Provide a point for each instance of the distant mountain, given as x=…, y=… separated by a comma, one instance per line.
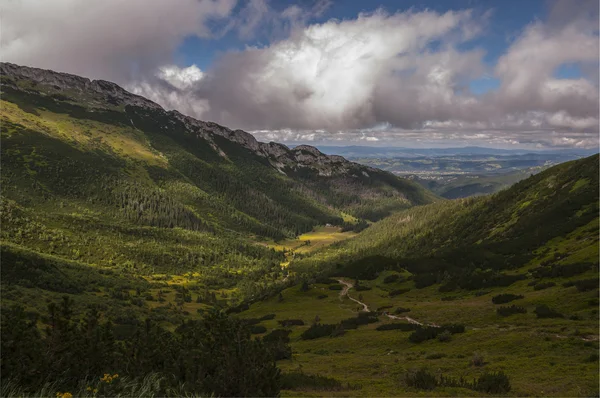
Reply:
x=387, y=152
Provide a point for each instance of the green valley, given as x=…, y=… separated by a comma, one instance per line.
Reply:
x=181, y=258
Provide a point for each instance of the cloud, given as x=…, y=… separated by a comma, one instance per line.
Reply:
x=374, y=79
x=406, y=71
x=109, y=39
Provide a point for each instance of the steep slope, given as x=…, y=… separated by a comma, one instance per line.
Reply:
x=208, y=176
x=551, y=217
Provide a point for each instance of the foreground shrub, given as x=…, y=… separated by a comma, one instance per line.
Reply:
x=505, y=298
x=513, y=309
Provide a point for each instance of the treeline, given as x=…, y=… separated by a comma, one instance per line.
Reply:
x=215, y=356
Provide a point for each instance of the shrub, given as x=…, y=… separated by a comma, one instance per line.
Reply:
x=445, y=336
x=384, y=307
x=513, y=309
x=481, y=293
x=478, y=359
x=291, y=322
x=543, y=311
x=267, y=317
x=542, y=286
x=423, y=334
x=398, y=292
x=405, y=327
x=363, y=318
x=592, y=358
x=422, y=379
x=401, y=310
x=258, y=329
x=301, y=381
x=505, y=298
x=391, y=278
x=361, y=288
x=326, y=281
x=561, y=271
x=336, y=287
x=435, y=356
x=586, y=284
x=493, y=383
x=322, y=296
x=318, y=330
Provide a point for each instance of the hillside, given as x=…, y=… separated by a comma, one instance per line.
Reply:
x=97, y=175
x=501, y=288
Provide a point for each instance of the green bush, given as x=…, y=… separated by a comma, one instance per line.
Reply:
x=505, y=298
x=291, y=322
x=542, y=286
x=336, y=287
x=318, y=330
x=543, y=311
x=493, y=383
x=391, y=278
x=513, y=309
x=302, y=381
x=405, y=327
x=422, y=379
x=398, y=292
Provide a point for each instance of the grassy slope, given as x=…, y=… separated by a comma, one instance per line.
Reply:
x=132, y=191
x=548, y=356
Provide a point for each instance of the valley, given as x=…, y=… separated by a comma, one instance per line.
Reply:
x=145, y=243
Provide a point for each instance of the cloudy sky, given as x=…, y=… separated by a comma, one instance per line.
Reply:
x=508, y=73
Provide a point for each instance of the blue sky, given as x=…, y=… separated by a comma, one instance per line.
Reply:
x=507, y=20
x=491, y=73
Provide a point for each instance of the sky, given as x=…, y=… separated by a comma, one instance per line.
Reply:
x=502, y=74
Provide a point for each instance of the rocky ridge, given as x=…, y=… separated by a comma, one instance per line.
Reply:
x=103, y=92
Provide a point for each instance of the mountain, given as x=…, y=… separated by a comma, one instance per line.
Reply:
x=553, y=213
x=400, y=152
x=92, y=139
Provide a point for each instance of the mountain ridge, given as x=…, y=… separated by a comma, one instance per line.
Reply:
x=278, y=154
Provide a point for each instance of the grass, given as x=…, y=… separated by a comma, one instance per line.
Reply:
x=541, y=356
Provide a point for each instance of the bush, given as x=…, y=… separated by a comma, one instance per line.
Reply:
x=361, y=288
x=301, y=381
x=435, y=356
x=505, y=298
x=398, y=292
x=336, y=287
x=513, y=309
x=363, y=318
x=586, y=284
x=542, y=286
x=445, y=336
x=391, y=278
x=561, y=271
x=422, y=379
x=493, y=383
x=291, y=322
x=401, y=310
x=404, y=327
x=478, y=359
x=592, y=358
x=318, y=330
x=423, y=334
x=481, y=293
x=258, y=329
x=326, y=281
x=267, y=317
x=322, y=296
x=543, y=311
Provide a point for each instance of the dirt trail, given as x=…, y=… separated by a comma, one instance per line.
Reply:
x=349, y=285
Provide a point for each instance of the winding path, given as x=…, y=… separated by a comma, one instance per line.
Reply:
x=349, y=285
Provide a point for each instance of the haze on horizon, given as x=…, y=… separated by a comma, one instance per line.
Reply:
x=438, y=74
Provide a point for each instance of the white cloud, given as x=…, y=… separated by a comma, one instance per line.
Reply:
x=109, y=39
